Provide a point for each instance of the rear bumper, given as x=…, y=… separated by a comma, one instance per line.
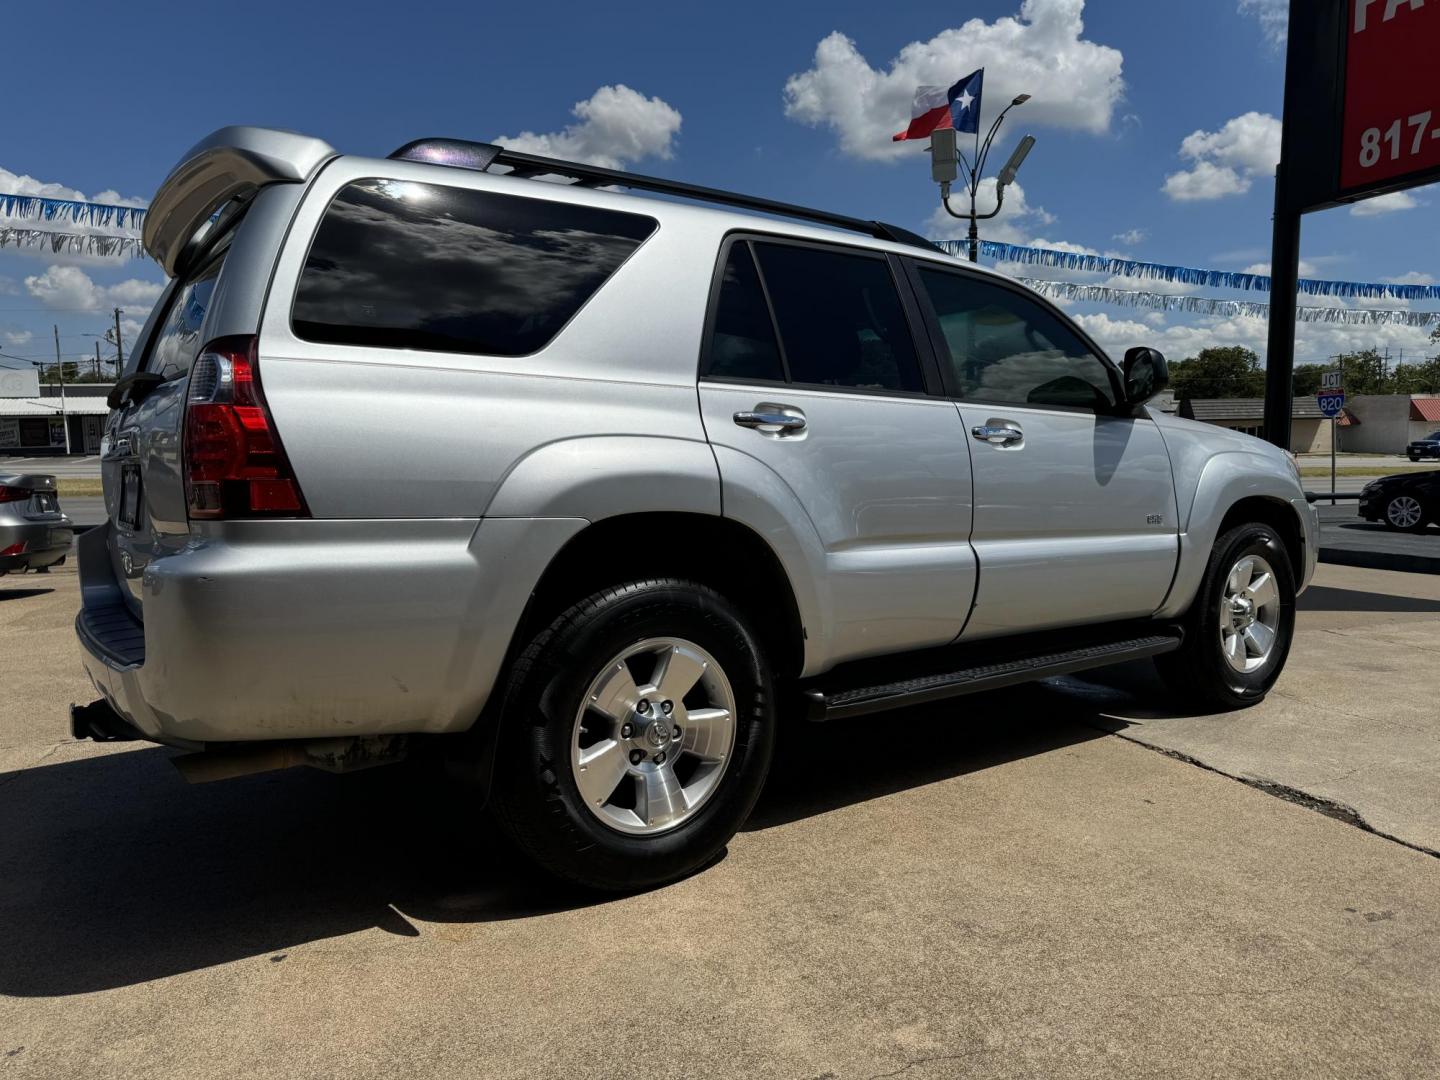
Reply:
x=312, y=629
x=46, y=543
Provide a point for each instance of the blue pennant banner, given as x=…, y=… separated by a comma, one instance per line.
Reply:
x=1187, y=275
x=1206, y=305
x=61, y=243
x=81, y=213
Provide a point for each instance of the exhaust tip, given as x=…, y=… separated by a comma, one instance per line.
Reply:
x=100, y=722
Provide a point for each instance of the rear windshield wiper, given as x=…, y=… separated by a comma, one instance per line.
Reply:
x=134, y=387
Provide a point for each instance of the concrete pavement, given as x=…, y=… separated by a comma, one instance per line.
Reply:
x=994, y=888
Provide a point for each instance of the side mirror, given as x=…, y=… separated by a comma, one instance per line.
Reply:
x=1146, y=374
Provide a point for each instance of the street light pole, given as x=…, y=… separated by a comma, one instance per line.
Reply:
x=976, y=170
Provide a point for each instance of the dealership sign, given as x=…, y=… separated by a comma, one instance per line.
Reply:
x=1392, y=95
x=1362, y=118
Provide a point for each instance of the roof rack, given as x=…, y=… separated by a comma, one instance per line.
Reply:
x=462, y=154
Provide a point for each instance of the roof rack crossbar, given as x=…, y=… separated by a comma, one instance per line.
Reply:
x=483, y=156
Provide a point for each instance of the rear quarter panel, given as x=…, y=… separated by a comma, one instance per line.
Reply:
x=388, y=433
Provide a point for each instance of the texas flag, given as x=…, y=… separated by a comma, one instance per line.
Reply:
x=958, y=107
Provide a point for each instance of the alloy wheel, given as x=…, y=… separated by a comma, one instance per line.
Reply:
x=653, y=735
x=1403, y=511
x=1249, y=614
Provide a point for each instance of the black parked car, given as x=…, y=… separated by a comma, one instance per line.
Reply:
x=1429, y=446
x=1404, y=501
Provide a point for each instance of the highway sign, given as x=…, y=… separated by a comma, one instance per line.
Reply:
x=1330, y=381
x=1331, y=401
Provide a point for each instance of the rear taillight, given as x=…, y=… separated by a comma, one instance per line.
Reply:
x=235, y=466
x=13, y=494
x=15, y=549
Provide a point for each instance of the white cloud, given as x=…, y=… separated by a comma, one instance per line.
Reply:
x=70, y=288
x=1228, y=160
x=1307, y=268
x=1273, y=16
x=1131, y=236
x=1013, y=225
x=22, y=184
x=1411, y=277
x=1074, y=83
x=17, y=338
x=1385, y=204
x=616, y=125
x=1182, y=339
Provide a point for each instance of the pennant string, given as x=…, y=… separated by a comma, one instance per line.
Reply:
x=38, y=207
x=1187, y=275
x=62, y=243
x=1206, y=305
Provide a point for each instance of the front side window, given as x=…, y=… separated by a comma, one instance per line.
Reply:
x=840, y=318
x=407, y=265
x=1006, y=349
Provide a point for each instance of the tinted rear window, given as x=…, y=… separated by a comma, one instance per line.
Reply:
x=424, y=266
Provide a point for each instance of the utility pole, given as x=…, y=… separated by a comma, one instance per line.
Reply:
x=97, y=361
x=1334, y=425
x=60, y=372
x=119, y=348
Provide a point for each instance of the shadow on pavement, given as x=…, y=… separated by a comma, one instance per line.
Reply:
x=1326, y=598
x=114, y=871
x=22, y=594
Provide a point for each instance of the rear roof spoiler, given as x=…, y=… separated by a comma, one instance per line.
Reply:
x=232, y=163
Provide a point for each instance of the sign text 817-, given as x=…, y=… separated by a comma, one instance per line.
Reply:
x=1392, y=98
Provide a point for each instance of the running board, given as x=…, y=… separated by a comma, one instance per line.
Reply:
x=840, y=701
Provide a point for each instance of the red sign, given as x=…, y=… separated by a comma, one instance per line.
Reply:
x=1392, y=93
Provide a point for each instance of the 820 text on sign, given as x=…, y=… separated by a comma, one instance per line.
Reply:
x=1392, y=98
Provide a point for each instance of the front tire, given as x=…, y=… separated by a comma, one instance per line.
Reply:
x=1239, y=628
x=637, y=731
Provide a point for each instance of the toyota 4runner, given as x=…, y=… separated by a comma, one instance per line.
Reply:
x=591, y=490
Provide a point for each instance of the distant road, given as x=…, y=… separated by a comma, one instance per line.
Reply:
x=68, y=468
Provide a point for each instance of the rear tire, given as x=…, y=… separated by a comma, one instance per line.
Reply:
x=617, y=770
x=1240, y=625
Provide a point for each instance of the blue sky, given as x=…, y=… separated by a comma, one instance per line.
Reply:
x=789, y=100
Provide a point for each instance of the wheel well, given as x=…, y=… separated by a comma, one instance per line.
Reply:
x=718, y=552
x=1276, y=513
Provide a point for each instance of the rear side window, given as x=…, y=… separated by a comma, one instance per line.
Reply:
x=743, y=345
x=840, y=319
x=177, y=342
x=424, y=266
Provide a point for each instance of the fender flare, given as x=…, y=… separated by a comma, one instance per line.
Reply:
x=1226, y=479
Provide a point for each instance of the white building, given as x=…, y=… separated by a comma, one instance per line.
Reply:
x=1386, y=423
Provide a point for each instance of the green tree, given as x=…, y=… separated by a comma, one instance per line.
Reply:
x=1364, y=373
x=1307, y=378
x=1225, y=372
x=1421, y=378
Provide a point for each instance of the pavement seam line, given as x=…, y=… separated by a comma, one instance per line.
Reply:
x=1331, y=808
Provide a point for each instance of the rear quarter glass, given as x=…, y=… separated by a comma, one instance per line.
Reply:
x=401, y=264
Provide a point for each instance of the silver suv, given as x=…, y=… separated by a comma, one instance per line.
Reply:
x=589, y=491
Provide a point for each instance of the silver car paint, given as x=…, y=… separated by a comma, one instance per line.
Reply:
x=443, y=486
x=267, y=630
x=1075, y=523
x=884, y=484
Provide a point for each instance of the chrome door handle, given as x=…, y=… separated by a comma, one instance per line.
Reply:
x=997, y=434
x=783, y=420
